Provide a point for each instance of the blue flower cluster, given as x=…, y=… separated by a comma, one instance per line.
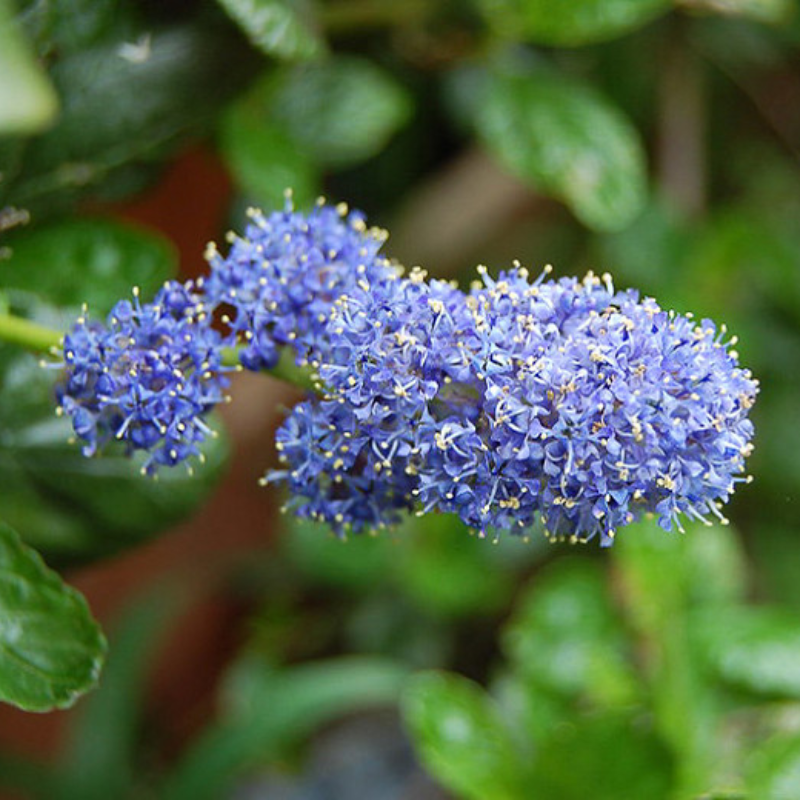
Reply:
x=151, y=374
x=523, y=404
x=281, y=278
x=526, y=404
x=147, y=376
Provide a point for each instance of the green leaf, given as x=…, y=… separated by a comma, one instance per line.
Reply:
x=610, y=757
x=341, y=111
x=28, y=102
x=569, y=22
x=110, y=258
x=566, y=637
x=126, y=109
x=58, y=28
x=771, y=11
x=52, y=649
x=566, y=140
x=757, y=649
x=773, y=771
x=299, y=119
x=280, y=28
x=272, y=709
x=461, y=738
x=264, y=161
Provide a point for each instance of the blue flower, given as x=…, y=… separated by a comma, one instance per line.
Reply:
x=147, y=377
x=337, y=472
x=282, y=277
x=595, y=407
x=561, y=405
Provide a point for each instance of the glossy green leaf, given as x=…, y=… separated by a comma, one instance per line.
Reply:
x=264, y=161
x=270, y=709
x=570, y=22
x=757, y=649
x=773, y=769
x=280, y=28
x=109, y=257
x=716, y=568
x=52, y=649
x=126, y=104
x=774, y=11
x=567, y=141
x=461, y=738
x=566, y=636
x=28, y=102
x=610, y=757
x=58, y=28
x=340, y=111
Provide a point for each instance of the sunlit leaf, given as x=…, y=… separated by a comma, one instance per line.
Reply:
x=566, y=636
x=280, y=28
x=109, y=258
x=568, y=141
x=28, y=102
x=774, y=769
x=570, y=22
x=757, y=649
x=461, y=738
x=340, y=111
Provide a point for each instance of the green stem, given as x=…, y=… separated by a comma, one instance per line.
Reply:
x=24, y=333
x=285, y=370
x=38, y=339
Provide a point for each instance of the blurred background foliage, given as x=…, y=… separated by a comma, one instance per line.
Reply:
x=658, y=140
